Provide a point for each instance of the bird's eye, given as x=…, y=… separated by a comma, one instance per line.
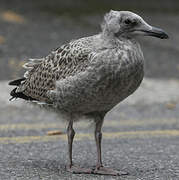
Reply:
x=127, y=21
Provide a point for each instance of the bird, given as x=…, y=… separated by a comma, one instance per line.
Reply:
x=87, y=77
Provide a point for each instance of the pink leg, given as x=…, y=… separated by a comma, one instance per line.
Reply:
x=99, y=166
x=72, y=168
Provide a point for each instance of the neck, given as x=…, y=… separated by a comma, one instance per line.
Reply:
x=107, y=34
x=111, y=36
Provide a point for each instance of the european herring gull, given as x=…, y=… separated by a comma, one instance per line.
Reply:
x=89, y=76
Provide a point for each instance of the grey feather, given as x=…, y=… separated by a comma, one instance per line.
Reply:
x=89, y=74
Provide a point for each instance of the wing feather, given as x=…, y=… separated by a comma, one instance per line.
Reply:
x=65, y=61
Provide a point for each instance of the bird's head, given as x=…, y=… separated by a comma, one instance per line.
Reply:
x=128, y=24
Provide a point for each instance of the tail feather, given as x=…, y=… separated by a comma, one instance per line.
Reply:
x=16, y=82
x=18, y=92
x=15, y=93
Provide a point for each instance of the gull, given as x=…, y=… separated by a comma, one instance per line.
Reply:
x=87, y=77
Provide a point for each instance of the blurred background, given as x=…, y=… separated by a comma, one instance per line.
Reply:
x=31, y=29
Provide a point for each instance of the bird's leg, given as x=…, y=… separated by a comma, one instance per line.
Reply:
x=99, y=166
x=71, y=134
x=71, y=167
x=98, y=138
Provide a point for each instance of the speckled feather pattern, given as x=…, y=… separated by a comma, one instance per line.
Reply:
x=86, y=75
x=65, y=61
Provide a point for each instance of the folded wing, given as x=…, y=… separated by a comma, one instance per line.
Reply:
x=42, y=74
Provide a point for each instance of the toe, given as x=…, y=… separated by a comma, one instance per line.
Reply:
x=108, y=171
x=78, y=170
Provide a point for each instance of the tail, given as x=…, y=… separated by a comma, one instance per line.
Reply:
x=31, y=67
x=15, y=94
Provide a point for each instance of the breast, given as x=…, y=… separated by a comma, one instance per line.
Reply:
x=124, y=79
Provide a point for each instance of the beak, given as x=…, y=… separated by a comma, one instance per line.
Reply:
x=156, y=32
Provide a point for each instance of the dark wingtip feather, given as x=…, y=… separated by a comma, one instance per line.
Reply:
x=16, y=82
x=15, y=94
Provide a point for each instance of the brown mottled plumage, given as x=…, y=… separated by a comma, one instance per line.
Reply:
x=65, y=61
x=89, y=76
